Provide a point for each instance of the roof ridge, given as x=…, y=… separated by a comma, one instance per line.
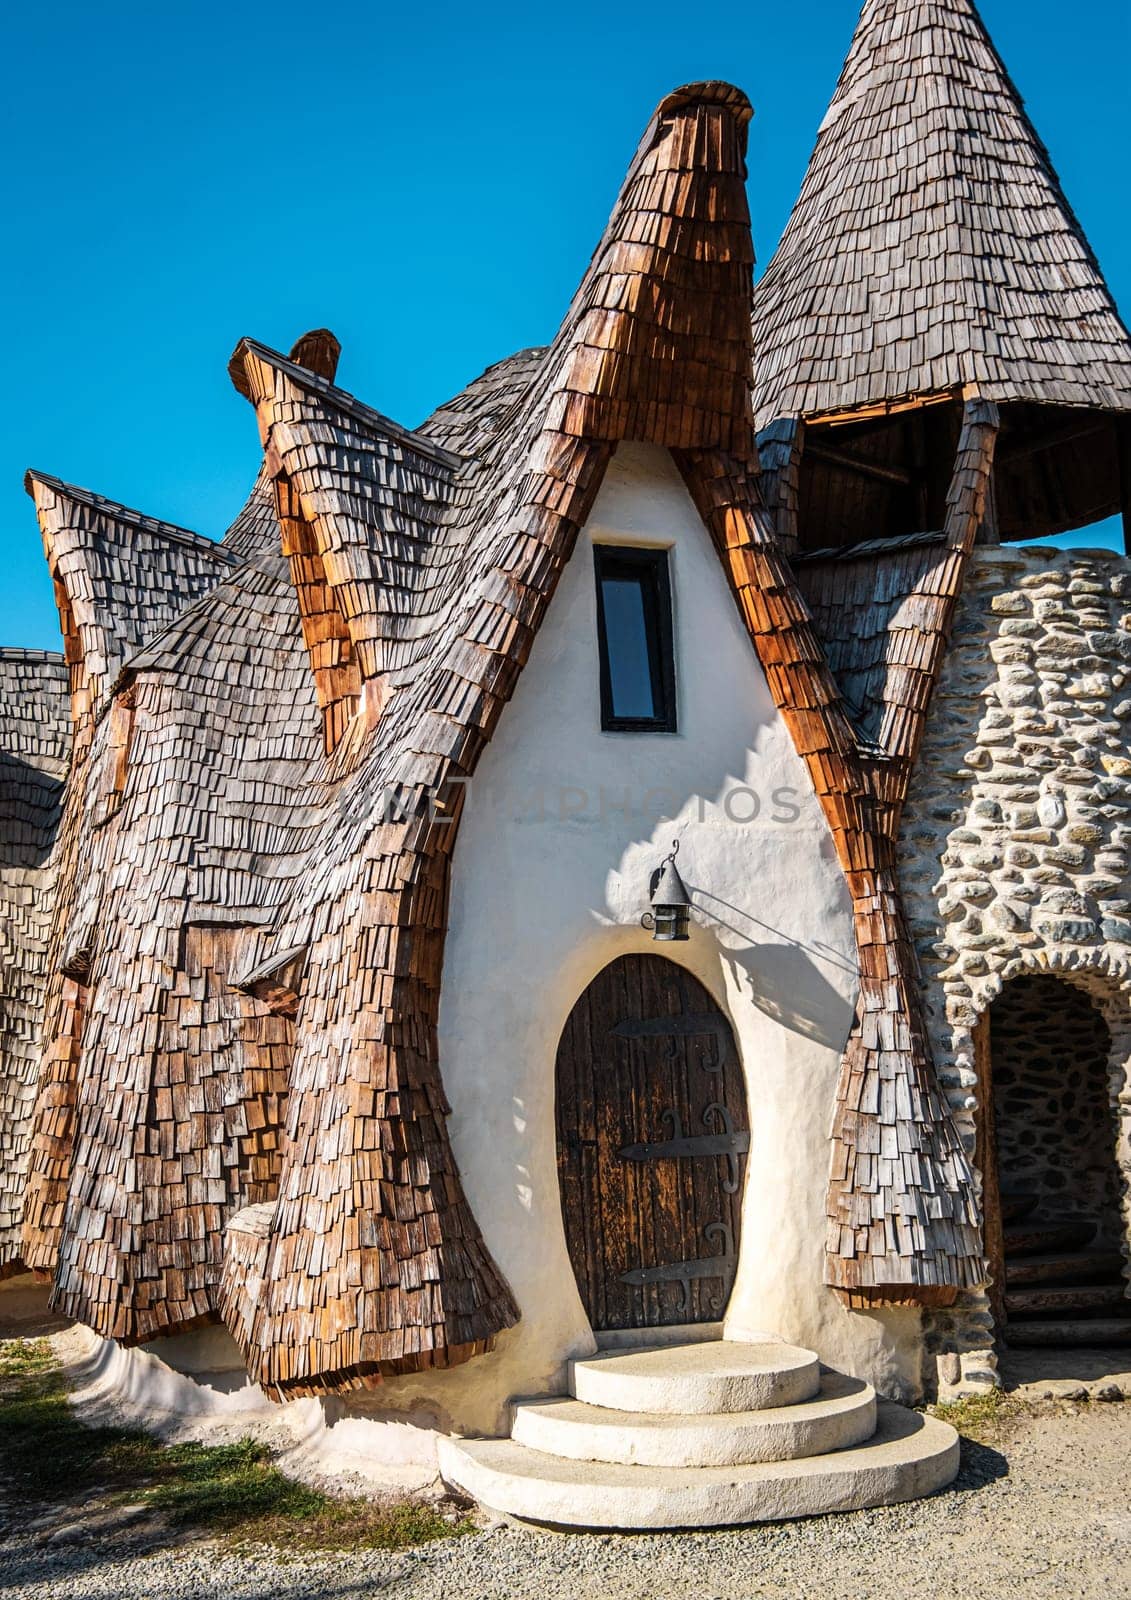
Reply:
x=474, y=420
x=891, y=545
x=681, y=225
x=15, y=652
x=127, y=514
x=303, y=378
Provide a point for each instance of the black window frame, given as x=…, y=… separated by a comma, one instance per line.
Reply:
x=650, y=568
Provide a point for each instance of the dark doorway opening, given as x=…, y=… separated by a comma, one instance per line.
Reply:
x=1048, y=1154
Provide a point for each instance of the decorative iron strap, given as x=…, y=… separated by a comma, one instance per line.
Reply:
x=726, y=1141
x=685, y=1273
x=694, y=1144
x=711, y=1025
x=712, y=1022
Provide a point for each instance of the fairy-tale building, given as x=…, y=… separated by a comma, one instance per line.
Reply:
x=351, y=1036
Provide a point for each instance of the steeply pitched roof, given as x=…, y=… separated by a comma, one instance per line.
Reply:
x=468, y=422
x=932, y=245
x=122, y=577
x=255, y=529
x=34, y=746
x=854, y=597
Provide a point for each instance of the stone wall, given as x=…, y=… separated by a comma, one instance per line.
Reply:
x=1016, y=844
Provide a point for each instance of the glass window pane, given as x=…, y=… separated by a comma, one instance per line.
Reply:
x=626, y=632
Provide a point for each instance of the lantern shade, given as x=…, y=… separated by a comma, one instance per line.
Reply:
x=671, y=905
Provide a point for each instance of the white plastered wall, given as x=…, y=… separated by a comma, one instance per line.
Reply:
x=562, y=827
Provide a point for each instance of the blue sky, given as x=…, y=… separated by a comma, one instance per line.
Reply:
x=428, y=181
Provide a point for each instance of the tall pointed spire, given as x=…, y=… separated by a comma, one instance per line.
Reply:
x=932, y=247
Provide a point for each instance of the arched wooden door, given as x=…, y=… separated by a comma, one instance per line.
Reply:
x=652, y=1143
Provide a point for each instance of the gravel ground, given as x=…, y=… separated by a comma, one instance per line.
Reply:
x=1044, y=1513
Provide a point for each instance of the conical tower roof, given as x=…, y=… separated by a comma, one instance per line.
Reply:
x=931, y=245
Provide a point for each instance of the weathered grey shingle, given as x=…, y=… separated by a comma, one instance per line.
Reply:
x=34, y=748
x=931, y=245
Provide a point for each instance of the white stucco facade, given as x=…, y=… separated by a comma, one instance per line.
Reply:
x=562, y=827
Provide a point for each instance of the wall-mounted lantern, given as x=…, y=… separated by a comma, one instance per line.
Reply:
x=671, y=904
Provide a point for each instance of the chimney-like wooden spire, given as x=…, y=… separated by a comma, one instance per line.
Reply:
x=658, y=336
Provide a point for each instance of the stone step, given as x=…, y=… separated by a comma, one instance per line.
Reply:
x=1077, y=1266
x=1016, y=1206
x=909, y=1455
x=691, y=1379
x=1069, y=1297
x=1043, y=1238
x=646, y=1338
x=842, y=1415
x=1097, y=1332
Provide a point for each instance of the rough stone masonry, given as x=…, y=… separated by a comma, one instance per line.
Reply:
x=1016, y=840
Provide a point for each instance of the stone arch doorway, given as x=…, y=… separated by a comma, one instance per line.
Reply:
x=1048, y=1153
x=652, y=1136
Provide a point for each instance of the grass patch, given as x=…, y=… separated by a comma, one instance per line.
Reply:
x=46, y=1451
x=235, y=1489
x=981, y=1417
x=231, y=1489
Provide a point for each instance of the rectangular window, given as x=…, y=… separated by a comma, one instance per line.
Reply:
x=634, y=628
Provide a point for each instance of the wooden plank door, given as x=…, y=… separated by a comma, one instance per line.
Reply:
x=652, y=1143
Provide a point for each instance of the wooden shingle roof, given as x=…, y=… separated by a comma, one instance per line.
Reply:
x=34, y=747
x=415, y=567
x=255, y=530
x=855, y=597
x=468, y=422
x=931, y=245
x=120, y=577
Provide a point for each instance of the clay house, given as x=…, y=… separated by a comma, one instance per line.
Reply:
x=625, y=886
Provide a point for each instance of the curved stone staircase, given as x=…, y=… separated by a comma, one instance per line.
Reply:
x=698, y=1435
